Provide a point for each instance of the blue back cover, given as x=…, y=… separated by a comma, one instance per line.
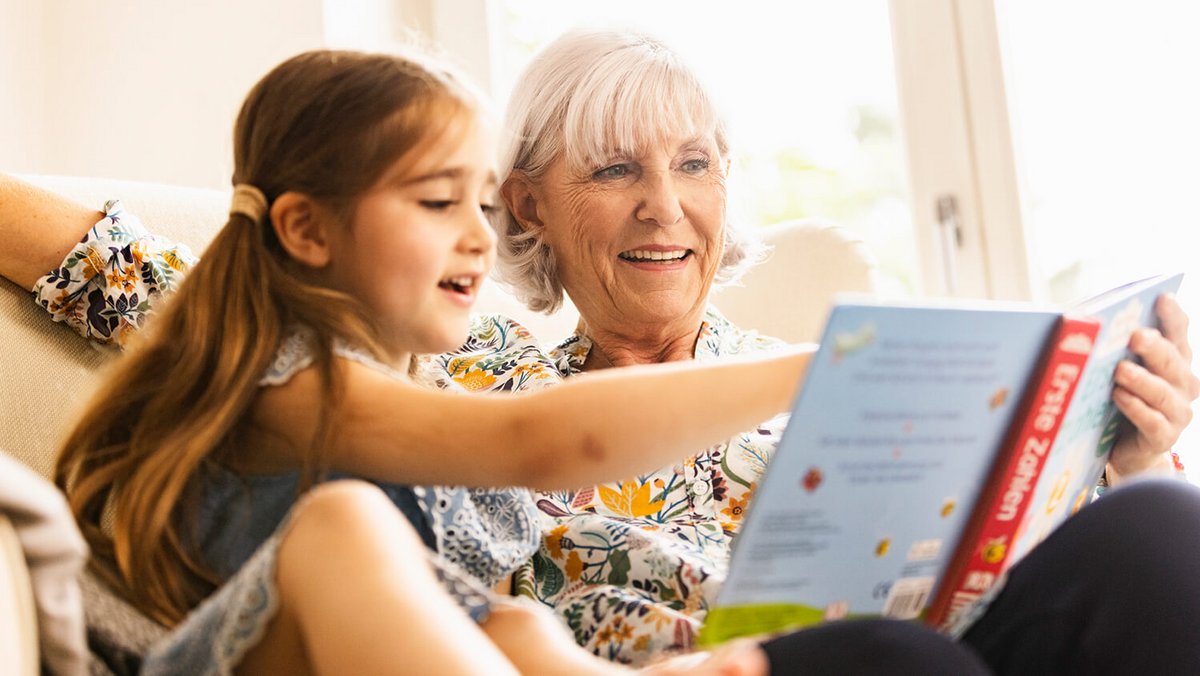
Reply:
x=890, y=440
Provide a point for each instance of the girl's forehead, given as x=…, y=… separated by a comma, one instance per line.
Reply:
x=467, y=146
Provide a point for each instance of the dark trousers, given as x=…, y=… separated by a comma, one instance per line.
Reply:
x=1115, y=590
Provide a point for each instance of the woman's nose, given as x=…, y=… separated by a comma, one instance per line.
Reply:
x=660, y=202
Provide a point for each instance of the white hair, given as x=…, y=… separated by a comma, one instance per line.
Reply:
x=587, y=97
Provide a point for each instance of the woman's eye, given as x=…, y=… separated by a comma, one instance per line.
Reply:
x=613, y=171
x=488, y=209
x=696, y=166
x=437, y=205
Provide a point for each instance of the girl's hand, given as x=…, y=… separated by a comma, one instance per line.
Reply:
x=1155, y=396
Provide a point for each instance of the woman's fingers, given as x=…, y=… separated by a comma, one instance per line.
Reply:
x=1174, y=323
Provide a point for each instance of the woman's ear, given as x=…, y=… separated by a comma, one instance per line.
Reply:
x=302, y=229
x=521, y=199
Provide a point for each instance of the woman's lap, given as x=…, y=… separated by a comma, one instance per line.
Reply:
x=1115, y=589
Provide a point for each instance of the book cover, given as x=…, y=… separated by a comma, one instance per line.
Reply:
x=983, y=549
x=894, y=437
x=891, y=439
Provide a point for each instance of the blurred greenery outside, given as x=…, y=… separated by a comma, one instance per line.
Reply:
x=866, y=194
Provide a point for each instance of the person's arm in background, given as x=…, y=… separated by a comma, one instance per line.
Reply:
x=44, y=224
x=1155, y=395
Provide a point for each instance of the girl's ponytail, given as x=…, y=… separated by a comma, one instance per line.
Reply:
x=326, y=124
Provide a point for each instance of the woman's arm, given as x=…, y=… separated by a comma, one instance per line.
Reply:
x=607, y=426
x=46, y=226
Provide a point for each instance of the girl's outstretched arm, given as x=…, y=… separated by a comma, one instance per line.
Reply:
x=606, y=426
x=39, y=228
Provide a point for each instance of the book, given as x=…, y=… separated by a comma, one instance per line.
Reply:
x=987, y=539
x=901, y=439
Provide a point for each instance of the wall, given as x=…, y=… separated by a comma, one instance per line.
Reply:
x=148, y=89
x=137, y=89
x=22, y=105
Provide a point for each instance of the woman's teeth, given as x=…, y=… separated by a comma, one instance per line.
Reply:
x=660, y=256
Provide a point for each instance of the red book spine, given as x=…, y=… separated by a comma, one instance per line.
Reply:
x=982, y=553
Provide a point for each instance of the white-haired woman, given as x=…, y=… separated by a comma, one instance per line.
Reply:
x=616, y=164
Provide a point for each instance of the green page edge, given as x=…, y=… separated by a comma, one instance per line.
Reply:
x=729, y=622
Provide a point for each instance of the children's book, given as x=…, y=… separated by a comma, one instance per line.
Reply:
x=907, y=434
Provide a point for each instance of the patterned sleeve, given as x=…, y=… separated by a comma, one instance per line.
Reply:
x=113, y=278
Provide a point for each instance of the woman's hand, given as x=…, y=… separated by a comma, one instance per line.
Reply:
x=1155, y=396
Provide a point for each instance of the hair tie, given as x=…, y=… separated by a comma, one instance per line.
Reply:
x=249, y=202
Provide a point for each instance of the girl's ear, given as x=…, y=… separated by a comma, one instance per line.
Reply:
x=302, y=229
x=521, y=199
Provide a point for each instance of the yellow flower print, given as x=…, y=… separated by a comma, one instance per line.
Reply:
x=621, y=630
x=574, y=566
x=460, y=365
x=736, y=508
x=632, y=501
x=93, y=264
x=122, y=279
x=60, y=302
x=475, y=380
x=659, y=618
x=554, y=541
x=171, y=258
x=642, y=643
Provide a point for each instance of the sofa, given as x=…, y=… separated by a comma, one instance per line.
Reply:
x=47, y=372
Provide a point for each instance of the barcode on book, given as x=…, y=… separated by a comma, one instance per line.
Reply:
x=908, y=597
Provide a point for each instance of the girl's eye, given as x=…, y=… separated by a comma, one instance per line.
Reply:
x=437, y=205
x=696, y=166
x=613, y=171
x=488, y=209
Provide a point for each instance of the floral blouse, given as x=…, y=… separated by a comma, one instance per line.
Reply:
x=631, y=566
x=112, y=279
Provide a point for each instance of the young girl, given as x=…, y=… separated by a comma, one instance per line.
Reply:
x=357, y=239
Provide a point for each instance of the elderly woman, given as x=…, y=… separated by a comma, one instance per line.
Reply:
x=615, y=185
x=616, y=192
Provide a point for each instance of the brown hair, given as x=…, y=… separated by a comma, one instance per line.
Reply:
x=326, y=124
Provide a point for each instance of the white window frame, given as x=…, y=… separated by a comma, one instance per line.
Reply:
x=956, y=128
